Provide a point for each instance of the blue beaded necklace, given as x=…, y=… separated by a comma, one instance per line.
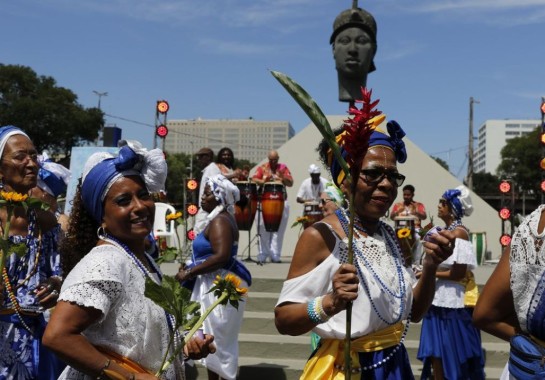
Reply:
x=384, y=288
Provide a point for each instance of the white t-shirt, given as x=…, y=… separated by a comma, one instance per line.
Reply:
x=308, y=190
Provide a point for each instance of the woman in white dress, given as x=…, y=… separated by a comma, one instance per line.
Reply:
x=103, y=321
x=384, y=293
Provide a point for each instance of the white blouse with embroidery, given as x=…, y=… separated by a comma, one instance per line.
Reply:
x=131, y=325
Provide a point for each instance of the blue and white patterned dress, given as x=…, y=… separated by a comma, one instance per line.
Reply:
x=22, y=355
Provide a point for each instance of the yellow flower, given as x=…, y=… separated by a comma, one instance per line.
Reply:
x=404, y=233
x=12, y=196
x=174, y=216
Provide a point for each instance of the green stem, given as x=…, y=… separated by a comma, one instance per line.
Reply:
x=347, y=343
x=4, y=244
x=189, y=335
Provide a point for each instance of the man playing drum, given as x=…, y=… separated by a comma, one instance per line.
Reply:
x=277, y=175
x=309, y=194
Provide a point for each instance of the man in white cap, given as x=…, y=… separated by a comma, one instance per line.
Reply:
x=312, y=187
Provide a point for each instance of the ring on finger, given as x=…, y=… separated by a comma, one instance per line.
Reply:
x=54, y=292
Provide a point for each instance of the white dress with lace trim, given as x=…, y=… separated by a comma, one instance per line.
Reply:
x=317, y=282
x=131, y=325
x=449, y=293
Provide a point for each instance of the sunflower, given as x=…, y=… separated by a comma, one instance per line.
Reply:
x=404, y=233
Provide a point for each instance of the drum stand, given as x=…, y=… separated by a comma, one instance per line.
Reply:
x=257, y=235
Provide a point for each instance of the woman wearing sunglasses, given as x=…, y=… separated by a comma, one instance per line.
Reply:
x=385, y=295
x=449, y=343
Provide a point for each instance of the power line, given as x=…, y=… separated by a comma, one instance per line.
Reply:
x=265, y=149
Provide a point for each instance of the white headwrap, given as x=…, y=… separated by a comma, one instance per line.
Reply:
x=226, y=193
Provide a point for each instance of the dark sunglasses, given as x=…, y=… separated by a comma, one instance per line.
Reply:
x=443, y=202
x=325, y=200
x=377, y=175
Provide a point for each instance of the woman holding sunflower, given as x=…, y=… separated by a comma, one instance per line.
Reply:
x=384, y=294
x=30, y=278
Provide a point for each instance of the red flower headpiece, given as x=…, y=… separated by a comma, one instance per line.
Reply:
x=358, y=130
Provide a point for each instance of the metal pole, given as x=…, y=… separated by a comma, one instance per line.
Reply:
x=101, y=132
x=470, y=152
x=542, y=147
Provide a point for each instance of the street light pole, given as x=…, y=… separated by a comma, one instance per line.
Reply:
x=100, y=95
x=469, y=178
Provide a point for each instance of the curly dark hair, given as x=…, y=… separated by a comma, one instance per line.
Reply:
x=223, y=150
x=323, y=148
x=81, y=236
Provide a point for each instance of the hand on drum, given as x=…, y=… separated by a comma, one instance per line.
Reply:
x=345, y=289
x=438, y=248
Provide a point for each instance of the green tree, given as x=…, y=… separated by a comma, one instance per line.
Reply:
x=485, y=183
x=520, y=161
x=49, y=114
x=178, y=165
x=441, y=162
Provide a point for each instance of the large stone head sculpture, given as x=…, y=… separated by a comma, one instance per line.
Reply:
x=354, y=42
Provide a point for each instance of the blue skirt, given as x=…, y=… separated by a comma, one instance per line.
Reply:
x=449, y=334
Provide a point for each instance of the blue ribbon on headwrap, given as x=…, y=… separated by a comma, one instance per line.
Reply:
x=100, y=176
x=55, y=184
x=451, y=196
x=394, y=141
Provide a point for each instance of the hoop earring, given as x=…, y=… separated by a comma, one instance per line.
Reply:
x=1, y=183
x=101, y=233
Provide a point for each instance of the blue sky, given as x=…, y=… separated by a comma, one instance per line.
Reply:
x=211, y=59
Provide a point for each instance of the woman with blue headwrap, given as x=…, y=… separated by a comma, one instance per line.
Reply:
x=385, y=295
x=30, y=283
x=103, y=321
x=449, y=343
x=214, y=254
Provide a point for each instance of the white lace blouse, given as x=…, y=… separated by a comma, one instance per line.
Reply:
x=132, y=325
x=365, y=319
x=527, y=262
x=451, y=293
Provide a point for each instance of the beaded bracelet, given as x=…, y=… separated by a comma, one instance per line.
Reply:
x=104, y=367
x=316, y=312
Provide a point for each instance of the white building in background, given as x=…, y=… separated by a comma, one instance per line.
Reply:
x=248, y=138
x=492, y=137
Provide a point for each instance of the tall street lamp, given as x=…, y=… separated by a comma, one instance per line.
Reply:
x=100, y=95
x=470, y=153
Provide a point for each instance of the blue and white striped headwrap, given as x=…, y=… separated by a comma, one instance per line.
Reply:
x=53, y=178
x=5, y=133
x=103, y=169
x=459, y=201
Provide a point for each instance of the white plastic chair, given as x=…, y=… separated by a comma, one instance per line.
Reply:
x=160, y=226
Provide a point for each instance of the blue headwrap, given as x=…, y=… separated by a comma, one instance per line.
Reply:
x=459, y=201
x=53, y=178
x=393, y=141
x=102, y=170
x=5, y=133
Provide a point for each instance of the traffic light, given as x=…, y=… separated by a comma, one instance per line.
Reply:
x=161, y=130
x=191, y=234
x=191, y=196
x=162, y=106
x=506, y=212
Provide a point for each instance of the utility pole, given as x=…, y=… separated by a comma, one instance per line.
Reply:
x=469, y=178
x=101, y=132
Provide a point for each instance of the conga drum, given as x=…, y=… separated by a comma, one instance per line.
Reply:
x=272, y=205
x=312, y=212
x=407, y=243
x=246, y=208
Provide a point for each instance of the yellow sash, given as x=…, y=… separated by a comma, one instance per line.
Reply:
x=328, y=362
x=128, y=364
x=472, y=291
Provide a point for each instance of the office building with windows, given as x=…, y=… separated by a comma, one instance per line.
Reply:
x=248, y=138
x=492, y=137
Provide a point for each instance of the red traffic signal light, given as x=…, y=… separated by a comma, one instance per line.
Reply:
x=505, y=240
x=504, y=213
x=191, y=235
x=543, y=185
x=191, y=184
x=505, y=186
x=162, y=106
x=161, y=130
x=192, y=209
